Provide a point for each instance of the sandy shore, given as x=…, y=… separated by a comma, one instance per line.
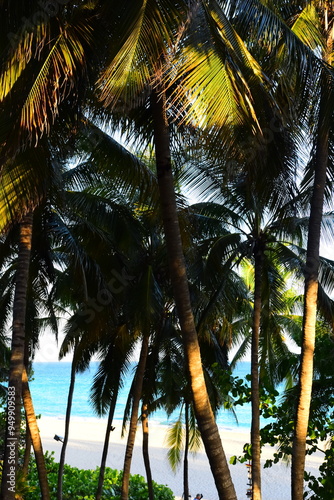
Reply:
x=86, y=442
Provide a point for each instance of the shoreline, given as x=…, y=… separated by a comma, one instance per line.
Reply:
x=85, y=448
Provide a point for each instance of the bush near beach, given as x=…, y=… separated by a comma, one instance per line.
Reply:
x=81, y=484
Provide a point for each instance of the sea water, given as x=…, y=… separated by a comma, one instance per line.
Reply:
x=50, y=383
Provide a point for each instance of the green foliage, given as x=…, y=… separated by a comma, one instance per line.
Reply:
x=279, y=433
x=234, y=390
x=323, y=486
x=175, y=439
x=270, y=409
x=80, y=484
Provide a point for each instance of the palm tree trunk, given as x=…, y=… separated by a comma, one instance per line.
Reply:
x=255, y=396
x=27, y=451
x=185, y=458
x=14, y=405
x=66, y=432
x=106, y=444
x=310, y=300
x=134, y=417
x=177, y=267
x=35, y=437
x=146, y=456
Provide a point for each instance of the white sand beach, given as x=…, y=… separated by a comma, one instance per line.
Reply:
x=85, y=448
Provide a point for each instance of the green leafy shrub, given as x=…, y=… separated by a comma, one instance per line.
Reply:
x=80, y=484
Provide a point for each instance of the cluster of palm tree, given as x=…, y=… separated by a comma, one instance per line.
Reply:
x=231, y=99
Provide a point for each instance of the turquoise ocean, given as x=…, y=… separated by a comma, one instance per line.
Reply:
x=50, y=383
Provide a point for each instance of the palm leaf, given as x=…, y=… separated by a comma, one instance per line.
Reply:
x=52, y=83
x=144, y=35
x=175, y=438
x=43, y=77
x=214, y=73
x=24, y=183
x=125, y=170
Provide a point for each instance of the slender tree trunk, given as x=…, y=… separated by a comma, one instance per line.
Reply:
x=35, y=437
x=14, y=405
x=27, y=450
x=146, y=456
x=255, y=397
x=185, y=458
x=66, y=432
x=106, y=444
x=177, y=267
x=134, y=417
x=310, y=300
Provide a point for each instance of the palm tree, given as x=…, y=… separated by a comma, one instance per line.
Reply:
x=26, y=83
x=145, y=449
x=35, y=301
x=164, y=165
x=113, y=343
x=51, y=202
x=266, y=235
x=33, y=431
x=174, y=392
x=115, y=359
x=148, y=301
x=16, y=367
x=122, y=86
x=103, y=332
x=320, y=161
x=136, y=395
x=75, y=367
x=13, y=207
x=42, y=69
x=186, y=439
x=311, y=25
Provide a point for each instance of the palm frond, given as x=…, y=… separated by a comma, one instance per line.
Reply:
x=144, y=35
x=127, y=171
x=214, y=74
x=175, y=438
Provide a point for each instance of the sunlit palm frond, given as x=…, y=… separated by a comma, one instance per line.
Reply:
x=118, y=75
x=214, y=74
x=308, y=28
x=146, y=31
x=270, y=25
x=175, y=439
x=42, y=72
x=24, y=183
x=55, y=78
x=24, y=45
x=195, y=440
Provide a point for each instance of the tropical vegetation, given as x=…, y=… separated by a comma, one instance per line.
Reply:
x=80, y=483
x=110, y=114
